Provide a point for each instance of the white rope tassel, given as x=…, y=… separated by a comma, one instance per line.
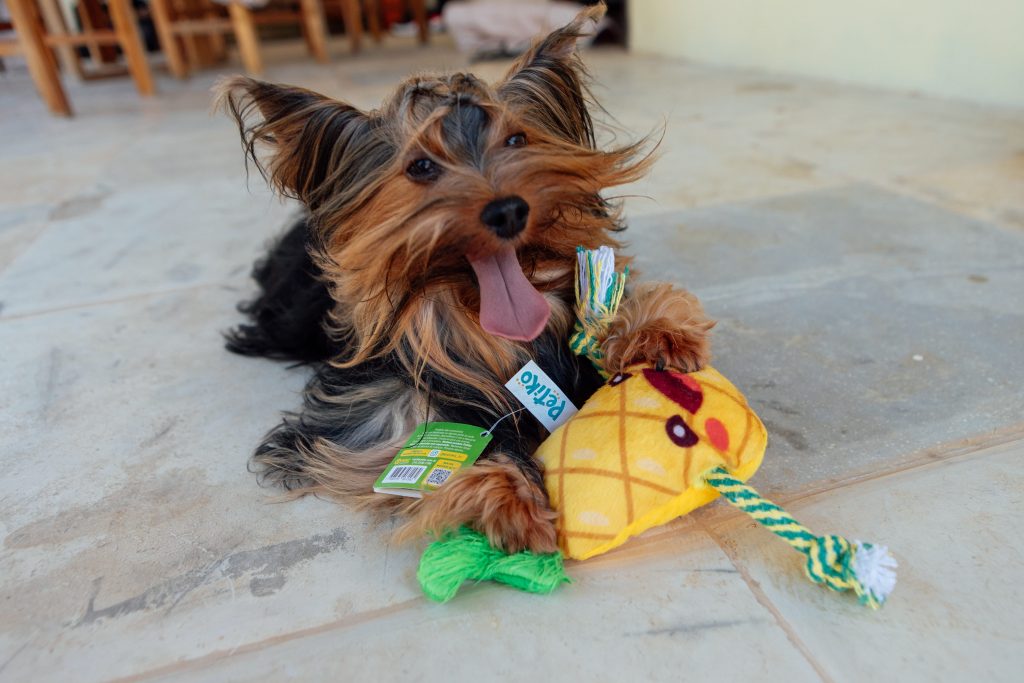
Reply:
x=875, y=569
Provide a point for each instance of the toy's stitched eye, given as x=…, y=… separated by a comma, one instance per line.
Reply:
x=679, y=432
x=517, y=140
x=423, y=170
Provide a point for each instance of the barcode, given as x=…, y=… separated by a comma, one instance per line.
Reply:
x=406, y=474
x=438, y=477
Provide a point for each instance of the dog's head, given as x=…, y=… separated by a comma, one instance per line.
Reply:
x=456, y=199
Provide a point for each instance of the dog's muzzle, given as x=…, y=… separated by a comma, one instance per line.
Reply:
x=506, y=217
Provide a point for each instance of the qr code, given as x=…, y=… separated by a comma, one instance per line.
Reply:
x=438, y=477
x=405, y=474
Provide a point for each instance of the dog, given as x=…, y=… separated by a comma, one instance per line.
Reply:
x=435, y=258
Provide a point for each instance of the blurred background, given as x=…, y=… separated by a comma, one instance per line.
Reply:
x=841, y=183
x=953, y=48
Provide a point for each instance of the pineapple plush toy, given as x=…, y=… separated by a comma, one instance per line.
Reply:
x=660, y=432
x=649, y=446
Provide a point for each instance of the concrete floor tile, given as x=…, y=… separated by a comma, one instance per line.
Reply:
x=991, y=190
x=637, y=616
x=823, y=225
x=955, y=614
x=112, y=243
x=863, y=326
x=20, y=226
x=132, y=533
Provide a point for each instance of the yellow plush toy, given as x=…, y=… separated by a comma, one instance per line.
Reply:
x=649, y=446
x=633, y=457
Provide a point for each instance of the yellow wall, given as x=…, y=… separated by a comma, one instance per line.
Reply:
x=971, y=49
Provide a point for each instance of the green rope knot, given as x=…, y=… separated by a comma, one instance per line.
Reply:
x=841, y=565
x=599, y=291
x=585, y=341
x=832, y=561
x=466, y=555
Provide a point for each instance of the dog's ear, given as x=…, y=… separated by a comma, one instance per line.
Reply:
x=314, y=145
x=548, y=83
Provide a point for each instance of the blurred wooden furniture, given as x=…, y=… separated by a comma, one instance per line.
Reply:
x=419, y=12
x=191, y=33
x=183, y=25
x=352, y=17
x=40, y=28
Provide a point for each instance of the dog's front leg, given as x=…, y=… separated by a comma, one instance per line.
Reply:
x=660, y=325
x=495, y=497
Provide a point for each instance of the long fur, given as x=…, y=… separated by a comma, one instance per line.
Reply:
x=288, y=315
x=375, y=288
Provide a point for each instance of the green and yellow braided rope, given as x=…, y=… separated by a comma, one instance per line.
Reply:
x=832, y=561
x=599, y=290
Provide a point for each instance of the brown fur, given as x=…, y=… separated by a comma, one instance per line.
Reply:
x=393, y=252
x=658, y=324
x=495, y=498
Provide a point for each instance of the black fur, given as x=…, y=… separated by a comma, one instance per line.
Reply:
x=286, y=324
x=287, y=316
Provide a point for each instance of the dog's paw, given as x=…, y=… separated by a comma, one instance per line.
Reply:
x=495, y=498
x=660, y=326
x=685, y=350
x=520, y=521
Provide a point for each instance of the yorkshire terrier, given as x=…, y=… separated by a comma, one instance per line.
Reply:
x=435, y=258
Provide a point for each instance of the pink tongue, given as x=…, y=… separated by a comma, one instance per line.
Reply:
x=510, y=307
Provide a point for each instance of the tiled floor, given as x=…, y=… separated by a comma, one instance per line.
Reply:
x=863, y=250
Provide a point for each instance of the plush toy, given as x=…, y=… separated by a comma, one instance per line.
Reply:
x=649, y=446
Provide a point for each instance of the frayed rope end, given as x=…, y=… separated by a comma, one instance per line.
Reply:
x=874, y=568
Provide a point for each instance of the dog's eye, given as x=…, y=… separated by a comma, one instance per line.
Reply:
x=423, y=170
x=517, y=140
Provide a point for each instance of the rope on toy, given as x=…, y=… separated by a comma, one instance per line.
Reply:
x=467, y=555
x=599, y=290
x=831, y=560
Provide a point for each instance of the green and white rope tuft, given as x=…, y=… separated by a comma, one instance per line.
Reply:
x=599, y=290
x=869, y=570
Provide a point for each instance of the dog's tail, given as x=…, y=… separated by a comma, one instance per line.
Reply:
x=288, y=313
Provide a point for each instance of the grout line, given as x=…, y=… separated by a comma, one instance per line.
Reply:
x=969, y=447
x=947, y=203
x=185, y=665
x=117, y=300
x=648, y=543
x=964, y=448
x=765, y=602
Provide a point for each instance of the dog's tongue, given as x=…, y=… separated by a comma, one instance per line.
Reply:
x=510, y=306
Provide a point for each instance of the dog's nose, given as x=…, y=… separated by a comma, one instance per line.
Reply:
x=506, y=216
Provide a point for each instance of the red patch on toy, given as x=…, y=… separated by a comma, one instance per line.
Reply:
x=718, y=435
x=680, y=389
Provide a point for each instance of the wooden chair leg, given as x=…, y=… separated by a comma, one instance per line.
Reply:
x=217, y=43
x=40, y=65
x=419, y=12
x=161, y=12
x=93, y=18
x=87, y=29
x=190, y=46
x=55, y=26
x=372, y=11
x=123, y=18
x=202, y=49
x=352, y=15
x=315, y=29
x=245, y=34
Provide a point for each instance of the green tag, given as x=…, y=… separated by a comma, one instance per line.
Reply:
x=433, y=453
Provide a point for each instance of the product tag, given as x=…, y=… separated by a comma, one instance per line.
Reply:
x=434, y=452
x=541, y=396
